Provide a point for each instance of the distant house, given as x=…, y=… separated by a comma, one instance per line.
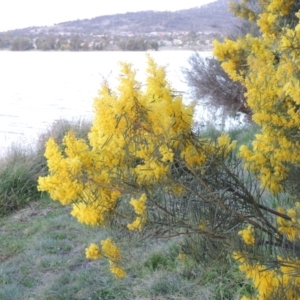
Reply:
x=177, y=42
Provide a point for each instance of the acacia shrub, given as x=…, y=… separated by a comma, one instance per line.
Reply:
x=268, y=68
x=144, y=172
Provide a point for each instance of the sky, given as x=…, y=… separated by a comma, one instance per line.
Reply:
x=16, y=14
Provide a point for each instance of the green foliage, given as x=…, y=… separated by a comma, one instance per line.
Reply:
x=138, y=44
x=75, y=42
x=163, y=259
x=19, y=171
x=47, y=43
x=21, y=44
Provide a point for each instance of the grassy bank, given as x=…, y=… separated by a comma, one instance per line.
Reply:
x=42, y=257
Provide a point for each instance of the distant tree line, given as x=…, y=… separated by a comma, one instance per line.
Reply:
x=53, y=41
x=77, y=42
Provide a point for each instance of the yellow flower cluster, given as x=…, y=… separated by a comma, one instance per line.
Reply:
x=280, y=283
x=62, y=183
x=111, y=252
x=225, y=144
x=116, y=270
x=247, y=235
x=167, y=153
x=93, y=252
x=138, y=224
x=290, y=228
x=233, y=55
x=139, y=206
x=128, y=140
x=193, y=156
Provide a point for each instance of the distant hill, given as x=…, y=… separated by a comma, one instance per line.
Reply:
x=191, y=28
x=212, y=17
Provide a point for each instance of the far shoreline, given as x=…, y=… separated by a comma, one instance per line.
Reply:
x=115, y=50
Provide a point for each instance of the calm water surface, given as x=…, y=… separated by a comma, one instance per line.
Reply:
x=37, y=88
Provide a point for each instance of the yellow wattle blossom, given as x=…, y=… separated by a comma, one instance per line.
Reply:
x=128, y=139
x=247, y=235
x=281, y=280
x=136, y=224
x=194, y=157
x=87, y=214
x=167, y=153
x=110, y=250
x=116, y=270
x=225, y=144
x=269, y=283
x=139, y=205
x=268, y=66
x=93, y=252
x=290, y=228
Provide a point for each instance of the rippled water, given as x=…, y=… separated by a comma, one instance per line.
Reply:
x=37, y=88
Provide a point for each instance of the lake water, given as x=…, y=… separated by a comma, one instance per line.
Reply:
x=37, y=88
